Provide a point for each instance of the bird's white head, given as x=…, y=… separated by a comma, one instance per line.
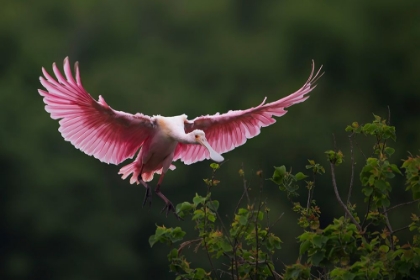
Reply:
x=199, y=137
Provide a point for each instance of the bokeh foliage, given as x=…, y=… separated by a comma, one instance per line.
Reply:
x=67, y=216
x=360, y=243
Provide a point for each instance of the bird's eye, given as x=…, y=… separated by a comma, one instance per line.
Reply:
x=197, y=136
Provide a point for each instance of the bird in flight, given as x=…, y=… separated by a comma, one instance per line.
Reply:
x=113, y=136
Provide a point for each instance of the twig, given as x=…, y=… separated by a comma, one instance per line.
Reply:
x=387, y=219
x=389, y=227
x=187, y=243
x=335, y=143
x=278, y=219
x=217, y=212
x=311, y=192
x=205, y=230
x=352, y=171
x=233, y=277
x=245, y=192
x=401, y=204
x=360, y=149
x=339, y=198
x=389, y=115
x=256, y=230
x=245, y=187
x=400, y=229
x=271, y=271
x=367, y=210
x=236, y=263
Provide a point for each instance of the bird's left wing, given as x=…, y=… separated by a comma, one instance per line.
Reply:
x=92, y=126
x=226, y=131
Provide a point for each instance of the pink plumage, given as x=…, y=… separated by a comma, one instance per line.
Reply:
x=230, y=130
x=113, y=136
x=92, y=126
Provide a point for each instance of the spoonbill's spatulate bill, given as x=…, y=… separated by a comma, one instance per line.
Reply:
x=113, y=136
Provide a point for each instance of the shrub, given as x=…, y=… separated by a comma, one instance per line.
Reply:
x=361, y=244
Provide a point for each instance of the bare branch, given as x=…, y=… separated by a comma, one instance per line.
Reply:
x=389, y=227
x=367, y=209
x=401, y=204
x=400, y=229
x=360, y=149
x=256, y=230
x=352, y=170
x=339, y=198
x=311, y=192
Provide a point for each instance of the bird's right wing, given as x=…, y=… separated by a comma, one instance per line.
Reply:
x=92, y=126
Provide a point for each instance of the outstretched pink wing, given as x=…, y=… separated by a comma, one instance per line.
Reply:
x=92, y=126
x=226, y=131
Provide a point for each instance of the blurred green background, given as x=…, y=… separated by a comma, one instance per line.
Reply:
x=67, y=216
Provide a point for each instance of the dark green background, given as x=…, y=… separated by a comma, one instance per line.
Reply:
x=65, y=215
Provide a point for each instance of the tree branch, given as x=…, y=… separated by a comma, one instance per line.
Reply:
x=352, y=171
x=339, y=198
x=400, y=229
x=389, y=227
x=401, y=204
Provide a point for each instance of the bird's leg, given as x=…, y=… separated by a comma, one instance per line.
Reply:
x=168, y=204
x=147, y=195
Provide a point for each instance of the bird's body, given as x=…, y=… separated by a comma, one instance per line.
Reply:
x=113, y=136
x=157, y=151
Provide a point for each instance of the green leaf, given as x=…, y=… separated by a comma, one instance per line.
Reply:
x=300, y=176
x=319, y=240
x=213, y=205
x=200, y=273
x=304, y=246
x=152, y=240
x=243, y=220
x=177, y=234
x=317, y=257
x=381, y=185
x=211, y=217
x=389, y=151
x=404, y=268
x=395, y=168
x=385, y=202
x=198, y=214
x=279, y=174
x=198, y=199
x=182, y=209
x=348, y=276
x=367, y=191
x=384, y=248
x=214, y=166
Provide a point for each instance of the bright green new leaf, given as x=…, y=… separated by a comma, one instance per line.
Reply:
x=214, y=166
x=199, y=199
x=300, y=176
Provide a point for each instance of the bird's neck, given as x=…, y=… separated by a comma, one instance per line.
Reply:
x=186, y=138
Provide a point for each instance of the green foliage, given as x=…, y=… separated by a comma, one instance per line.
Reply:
x=346, y=248
x=411, y=166
x=166, y=235
x=335, y=157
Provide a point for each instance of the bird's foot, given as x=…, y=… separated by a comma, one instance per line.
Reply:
x=147, y=197
x=170, y=207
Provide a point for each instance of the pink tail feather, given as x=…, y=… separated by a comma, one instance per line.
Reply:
x=134, y=168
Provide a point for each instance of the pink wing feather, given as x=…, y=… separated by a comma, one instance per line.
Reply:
x=226, y=131
x=92, y=126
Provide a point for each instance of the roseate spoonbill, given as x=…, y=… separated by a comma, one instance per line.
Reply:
x=113, y=136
